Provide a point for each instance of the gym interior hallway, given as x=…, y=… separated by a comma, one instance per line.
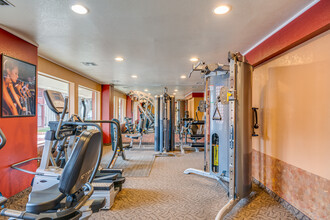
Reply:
x=167, y=193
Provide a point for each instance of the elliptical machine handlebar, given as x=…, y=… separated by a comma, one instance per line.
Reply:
x=3, y=139
x=66, y=101
x=84, y=106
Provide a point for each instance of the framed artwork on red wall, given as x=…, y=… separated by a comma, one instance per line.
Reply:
x=18, y=88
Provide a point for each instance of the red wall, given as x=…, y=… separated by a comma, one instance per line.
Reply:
x=21, y=132
x=311, y=23
x=129, y=110
x=107, y=110
x=194, y=95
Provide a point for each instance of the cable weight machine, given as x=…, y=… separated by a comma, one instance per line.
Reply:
x=228, y=142
x=164, y=124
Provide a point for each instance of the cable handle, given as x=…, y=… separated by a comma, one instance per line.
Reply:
x=216, y=110
x=84, y=106
x=255, y=121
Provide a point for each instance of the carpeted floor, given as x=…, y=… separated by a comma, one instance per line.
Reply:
x=169, y=194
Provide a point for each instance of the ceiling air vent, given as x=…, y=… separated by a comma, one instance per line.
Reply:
x=87, y=63
x=6, y=3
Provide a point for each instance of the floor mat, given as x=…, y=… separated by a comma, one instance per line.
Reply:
x=138, y=162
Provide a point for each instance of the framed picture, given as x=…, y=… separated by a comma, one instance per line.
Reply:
x=18, y=88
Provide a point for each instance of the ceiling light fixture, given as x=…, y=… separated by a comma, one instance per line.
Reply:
x=174, y=93
x=183, y=76
x=134, y=76
x=223, y=9
x=175, y=90
x=119, y=59
x=194, y=59
x=79, y=9
x=146, y=90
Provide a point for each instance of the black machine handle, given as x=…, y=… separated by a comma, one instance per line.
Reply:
x=255, y=121
x=215, y=112
x=84, y=106
x=3, y=139
x=66, y=101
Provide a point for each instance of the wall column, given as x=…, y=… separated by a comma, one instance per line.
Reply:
x=107, y=110
x=129, y=112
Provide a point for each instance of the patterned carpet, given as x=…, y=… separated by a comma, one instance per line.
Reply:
x=169, y=194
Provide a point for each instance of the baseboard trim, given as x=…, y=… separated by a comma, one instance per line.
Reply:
x=296, y=212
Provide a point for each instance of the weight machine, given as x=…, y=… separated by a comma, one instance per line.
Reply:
x=145, y=107
x=228, y=142
x=164, y=124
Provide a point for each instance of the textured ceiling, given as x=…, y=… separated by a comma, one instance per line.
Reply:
x=156, y=37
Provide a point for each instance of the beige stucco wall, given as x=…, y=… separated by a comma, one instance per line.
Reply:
x=192, y=107
x=52, y=69
x=293, y=94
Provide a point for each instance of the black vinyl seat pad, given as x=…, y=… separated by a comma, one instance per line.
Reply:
x=196, y=136
x=136, y=136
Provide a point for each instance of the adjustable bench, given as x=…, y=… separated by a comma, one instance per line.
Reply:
x=134, y=137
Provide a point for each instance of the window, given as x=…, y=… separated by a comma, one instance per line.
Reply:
x=90, y=98
x=121, y=109
x=44, y=113
x=114, y=107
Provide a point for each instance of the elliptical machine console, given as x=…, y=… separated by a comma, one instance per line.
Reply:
x=55, y=101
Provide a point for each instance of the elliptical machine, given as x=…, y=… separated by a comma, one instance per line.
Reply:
x=63, y=135
x=70, y=197
x=116, y=140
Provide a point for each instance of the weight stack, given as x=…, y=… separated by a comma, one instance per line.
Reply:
x=157, y=120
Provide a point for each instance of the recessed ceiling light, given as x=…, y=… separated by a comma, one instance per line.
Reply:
x=146, y=90
x=175, y=90
x=119, y=59
x=174, y=93
x=223, y=9
x=183, y=76
x=134, y=76
x=79, y=9
x=194, y=59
